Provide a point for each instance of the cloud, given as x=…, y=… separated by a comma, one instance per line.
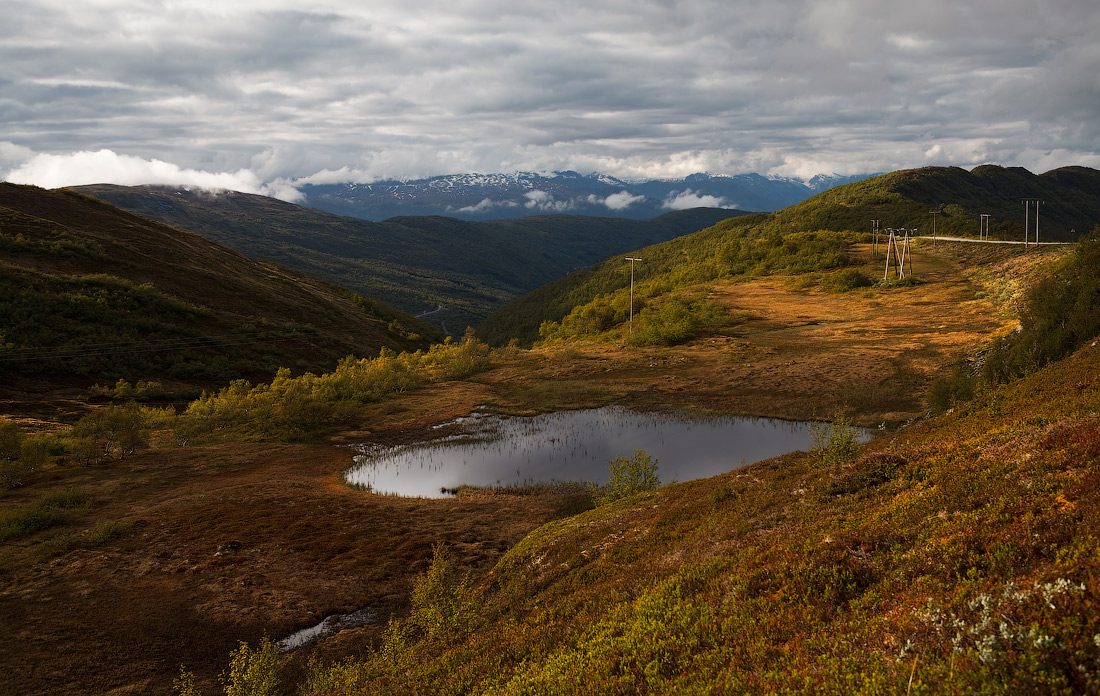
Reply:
x=541, y=201
x=12, y=154
x=485, y=205
x=617, y=201
x=105, y=166
x=635, y=90
x=682, y=200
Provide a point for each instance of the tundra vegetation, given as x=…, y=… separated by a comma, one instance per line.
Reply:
x=955, y=555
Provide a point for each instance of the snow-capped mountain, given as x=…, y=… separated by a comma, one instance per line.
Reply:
x=500, y=196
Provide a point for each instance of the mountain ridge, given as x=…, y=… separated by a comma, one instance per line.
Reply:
x=901, y=199
x=519, y=194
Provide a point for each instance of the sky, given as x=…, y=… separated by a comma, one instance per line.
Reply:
x=266, y=96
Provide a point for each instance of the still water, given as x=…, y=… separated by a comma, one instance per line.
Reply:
x=489, y=450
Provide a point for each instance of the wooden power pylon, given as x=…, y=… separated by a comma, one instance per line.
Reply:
x=895, y=257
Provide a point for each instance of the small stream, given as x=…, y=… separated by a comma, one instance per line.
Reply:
x=331, y=625
x=490, y=450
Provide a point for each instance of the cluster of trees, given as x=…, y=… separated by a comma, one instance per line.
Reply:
x=115, y=431
x=657, y=320
x=295, y=407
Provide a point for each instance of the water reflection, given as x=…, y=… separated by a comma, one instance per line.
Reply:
x=485, y=450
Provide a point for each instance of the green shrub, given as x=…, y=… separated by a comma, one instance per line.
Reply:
x=35, y=451
x=13, y=473
x=629, y=475
x=114, y=430
x=106, y=531
x=956, y=387
x=250, y=672
x=848, y=279
x=835, y=442
x=11, y=440
x=441, y=601
x=48, y=510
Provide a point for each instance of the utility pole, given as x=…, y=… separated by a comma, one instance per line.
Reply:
x=901, y=256
x=1037, y=202
x=631, y=259
x=874, y=231
x=1027, y=202
x=983, y=225
x=934, y=213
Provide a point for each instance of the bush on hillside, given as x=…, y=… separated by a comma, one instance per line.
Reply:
x=251, y=672
x=629, y=475
x=833, y=442
x=11, y=440
x=1061, y=312
x=113, y=431
x=848, y=279
x=951, y=389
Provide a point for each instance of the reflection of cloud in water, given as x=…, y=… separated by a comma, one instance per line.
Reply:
x=487, y=450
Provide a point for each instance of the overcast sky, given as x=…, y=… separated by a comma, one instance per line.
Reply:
x=259, y=96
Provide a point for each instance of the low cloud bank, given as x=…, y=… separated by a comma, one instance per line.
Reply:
x=108, y=167
x=682, y=200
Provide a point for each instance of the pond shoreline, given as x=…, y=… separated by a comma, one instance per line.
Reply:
x=487, y=450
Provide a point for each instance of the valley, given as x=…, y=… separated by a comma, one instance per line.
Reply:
x=459, y=270
x=830, y=570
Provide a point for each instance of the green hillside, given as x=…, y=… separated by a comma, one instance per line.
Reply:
x=810, y=236
x=417, y=264
x=92, y=292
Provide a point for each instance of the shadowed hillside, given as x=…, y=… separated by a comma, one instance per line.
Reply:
x=93, y=292
x=417, y=264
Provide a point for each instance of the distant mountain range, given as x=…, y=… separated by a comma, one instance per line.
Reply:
x=507, y=196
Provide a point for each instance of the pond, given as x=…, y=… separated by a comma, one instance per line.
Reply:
x=489, y=450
